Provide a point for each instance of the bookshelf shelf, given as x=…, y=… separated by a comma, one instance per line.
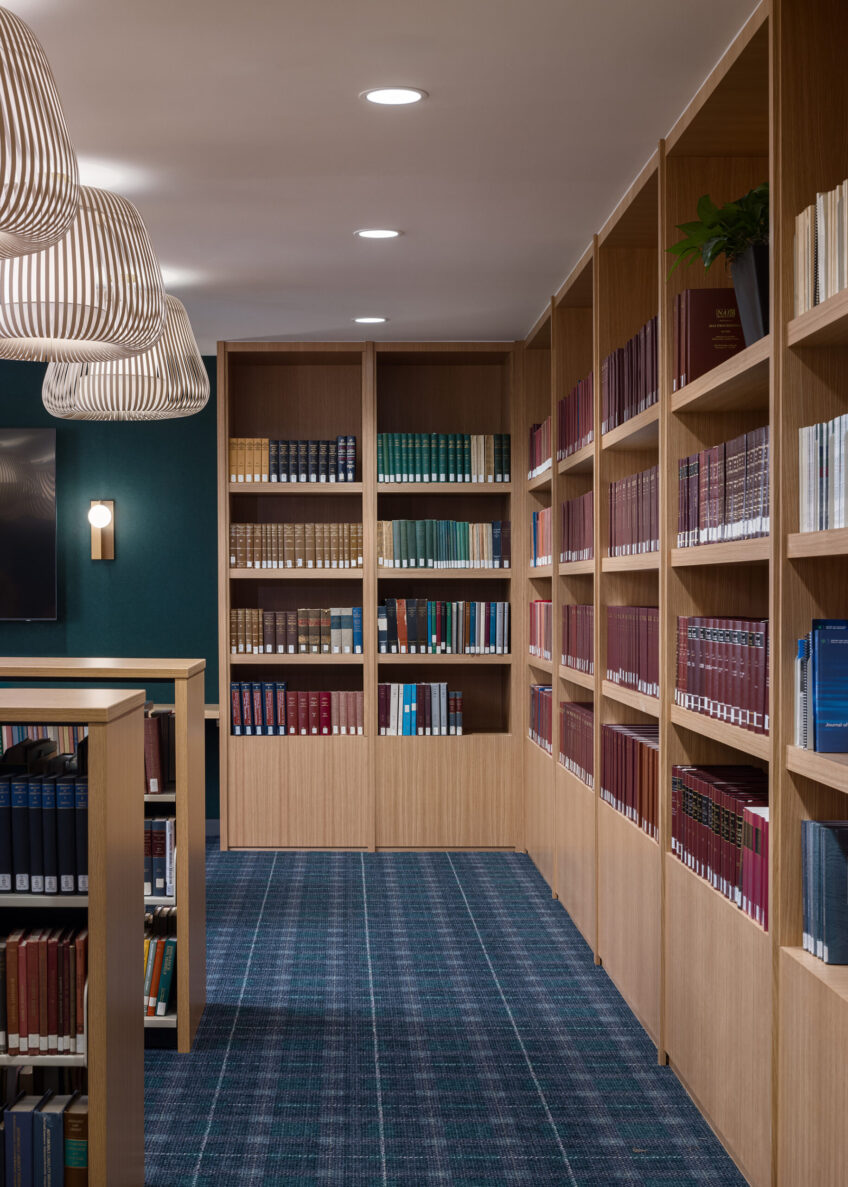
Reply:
x=163, y=797
x=295, y=488
x=160, y=900
x=641, y=562
x=817, y=545
x=42, y=1060
x=421, y=574
x=631, y=698
x=575, y=568
x=536, y=571
x=833, y=976
x=540, y=664
x=738, y=384
x=759, y=745
x=640, y=432
x=579, y=462
x=446, y=658
x=823, y=325
x=444, y=488
x=296, y=574
x=727, y=552
x=828, y=769
x=541, y=482
x=165, y=1022
x=284, y=660
x=584, y=679
x=79, y=901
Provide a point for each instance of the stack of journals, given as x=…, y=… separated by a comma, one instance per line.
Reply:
x=821, y=687
x=629, y=773
x=272, y=709
x=44, y=834
x=577, y=529
x=633, y=648
x=539, y=451
x=296, y=545
x=419, y=710
x=443, y=544
x=824, y=860
x=443, y=457
x=160, y=959
x=541, y=622
x=260, y=459
x=722, y=670
x=822, y=476
x=420, y=626
x=723, y=492
x=577, y=739
x=629, y=378
x=43, y=975
x=576, y=419
x=578, y=637
x=541, y=716
x=634, y=516
x=328, y=630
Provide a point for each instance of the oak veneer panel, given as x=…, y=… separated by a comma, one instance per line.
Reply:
x=446, y=792
x=434, y=396
x=91, y=705
x=539, y=834
x=812, y=1138
x=574, y=819
x=190, y=753
x=742, y=381
x=296, y=792
x=719, y=1016
x=65, y=668
x=629, y=913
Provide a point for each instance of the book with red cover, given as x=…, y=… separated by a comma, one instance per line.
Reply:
x=314, y=710
x=324, y=715
x=152, y=757
x=403, y=642
x=359, y=706
x=713, y=330
x=303, y=713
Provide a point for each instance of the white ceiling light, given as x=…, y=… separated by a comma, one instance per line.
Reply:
x=175, y=277
x=167, y=381
x=112, y=175
x=95, y=295
x=39, y=183
x=394, y=96
x=369, y=321
x=377, y=233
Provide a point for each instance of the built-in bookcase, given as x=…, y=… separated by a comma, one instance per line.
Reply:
x=369, y=791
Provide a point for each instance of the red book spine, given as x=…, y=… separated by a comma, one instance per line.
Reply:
x=324, y=721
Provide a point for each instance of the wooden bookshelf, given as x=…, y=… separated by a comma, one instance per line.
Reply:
x=726, y=552
x=342, y=792
x=115, y=1034
x=739, y=383
x=188, y=802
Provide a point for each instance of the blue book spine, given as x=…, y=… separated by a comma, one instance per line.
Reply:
x=65, y=839
x=19, y=1148
x=269, y=725
x=357, y=630
x=350, y=459
x=81, y=833
x=20, y=833
x=48, y=828
x=830, y=685
x=5, y=834
x=834, y=858
x=48, y=1142
x=36, y=839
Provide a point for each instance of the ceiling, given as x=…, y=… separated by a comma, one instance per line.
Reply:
x=240, y=136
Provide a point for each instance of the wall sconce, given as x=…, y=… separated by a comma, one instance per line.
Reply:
x=101, y=516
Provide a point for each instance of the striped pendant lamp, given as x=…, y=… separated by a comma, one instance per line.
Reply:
x=166, y=381
x=39, y=185
x=96, y=295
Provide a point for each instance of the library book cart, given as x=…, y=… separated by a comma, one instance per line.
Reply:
x=187, y=800
x=114, y=1053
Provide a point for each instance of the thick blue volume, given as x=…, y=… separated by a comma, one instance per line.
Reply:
x=36, y=839
x=830, y=685
x=48, y=833
x=834, y=906
x=20, y=832
x=357, y=630
x=5, y=833
x=81, y=833
x=65, y=835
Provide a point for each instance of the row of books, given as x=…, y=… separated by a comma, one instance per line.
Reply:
x=541, y=628
x=577, y=531
x=272, y=709
x=310, y=630
x=633, y=648
x=576, y=418
x=419, y=710
x=630, y=773
x=541, y=538
x=260, y=459
x=420, y=626
x=576, y=739
x=707, y=330
x=822, y=475
x=539, y=449
x=160, y=856
x=821, y=248
x=723, y=492
x=821, y=687
x=42, y=991
x=824, y=874
x=443, y=544
x=160, y=750
x=578, y=637
x=45, y=1140
x=723, y=669
x=443, y=457
x=629, y=378
x=296, y=545
x=160, y=961
x=43, y=834
x=65, y=738
x=541, y=716
x=719, y=829
x=634, y=517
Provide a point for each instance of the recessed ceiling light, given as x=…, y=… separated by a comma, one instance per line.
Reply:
x=369, y=321
x=376, y=233
x=394, y=96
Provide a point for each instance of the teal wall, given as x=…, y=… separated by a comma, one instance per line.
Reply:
x=159, y=595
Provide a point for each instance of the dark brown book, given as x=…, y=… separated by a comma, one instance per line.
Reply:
x=76, y=1143
x=713, y=330
x=153, y=781
x=302, y=630
x=292, y=640
x=268, y=627
x=325, y=630
x=280, y=632
x=314, y=627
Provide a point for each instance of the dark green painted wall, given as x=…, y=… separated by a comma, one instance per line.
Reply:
x=159, y=595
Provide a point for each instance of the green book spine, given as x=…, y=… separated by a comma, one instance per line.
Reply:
x=404, y=544
x=381, y=473
x=443, y=457
x=431, y=544
x=421, y=543
x=402, y=451
x=434, y=457
x=451, y=457
x=466, y=459
x=417, y=452
x=507, y=464
x=396, y=553
x=395, y=457
x=166, y=977
x=498, y=452
x=425, y=457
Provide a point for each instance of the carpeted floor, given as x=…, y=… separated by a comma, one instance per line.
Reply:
x=411, y=1019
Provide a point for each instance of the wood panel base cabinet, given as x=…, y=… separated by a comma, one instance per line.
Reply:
x=574, y=821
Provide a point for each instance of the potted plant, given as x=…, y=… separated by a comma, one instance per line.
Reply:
x=739, y=231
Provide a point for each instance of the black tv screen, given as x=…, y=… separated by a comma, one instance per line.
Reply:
x=27, y=524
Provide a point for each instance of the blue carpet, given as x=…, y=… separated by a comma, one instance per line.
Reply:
x=406, y=1019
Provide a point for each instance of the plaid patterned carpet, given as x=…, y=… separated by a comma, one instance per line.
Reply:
x=411, y=1019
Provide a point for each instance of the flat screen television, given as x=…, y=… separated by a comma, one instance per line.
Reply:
x=27, y=524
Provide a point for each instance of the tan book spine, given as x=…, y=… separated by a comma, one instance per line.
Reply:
x=288, y=542
x=343, y=712
x=232, y=459
x=309, y=544
x=240, y=459
x=490, y=458
x=359, y=703
x=233, y=545
x=334, y=545
x=257, y=546
x=345, y=557
x=264, y=459
x=234, y=632
x=242, y=631
x=257, y=459
x=299, y=546
x=359, y=545
x=292, y=641
x=325, y=550
x=241, y=546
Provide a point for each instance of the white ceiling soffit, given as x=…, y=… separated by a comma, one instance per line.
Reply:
x=237, y=130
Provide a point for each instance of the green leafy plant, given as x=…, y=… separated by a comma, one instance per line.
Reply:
x=724, y=230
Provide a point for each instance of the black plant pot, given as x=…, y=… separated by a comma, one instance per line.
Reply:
x=750, y=273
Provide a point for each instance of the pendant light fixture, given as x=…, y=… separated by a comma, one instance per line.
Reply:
x=39, y=185
x=94, y=296
x=166, y=381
